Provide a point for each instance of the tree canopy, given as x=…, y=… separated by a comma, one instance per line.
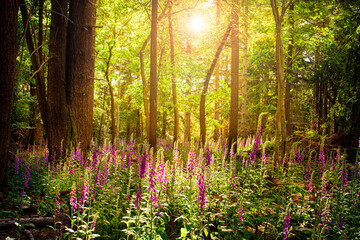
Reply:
x=320, y=42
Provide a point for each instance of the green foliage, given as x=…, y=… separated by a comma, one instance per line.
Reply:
x=318, y=194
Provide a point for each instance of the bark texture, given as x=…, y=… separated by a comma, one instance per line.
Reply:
x=56, y=89
x=173, y=80
x=217, y=78
x=234, y=104
x=80, y=66
x=36, y=65
x=8, y=30
x=243, y=131
x=37, y=221
x=153, y=77
x=280, y=129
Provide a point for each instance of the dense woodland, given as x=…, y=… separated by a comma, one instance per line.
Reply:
x=237, y=83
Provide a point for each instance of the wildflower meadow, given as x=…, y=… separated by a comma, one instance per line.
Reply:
x=189, y=191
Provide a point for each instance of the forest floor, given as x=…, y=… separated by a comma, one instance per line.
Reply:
x=187, y=191
x=27, y=230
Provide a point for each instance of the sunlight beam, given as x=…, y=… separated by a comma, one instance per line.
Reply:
x=197, y=24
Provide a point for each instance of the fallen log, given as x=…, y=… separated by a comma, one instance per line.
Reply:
x=38, y=222
x=29, y=235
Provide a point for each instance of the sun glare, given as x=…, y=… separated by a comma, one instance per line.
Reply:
x=197, y=24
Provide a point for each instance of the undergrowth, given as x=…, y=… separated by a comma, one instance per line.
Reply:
x=187, y=191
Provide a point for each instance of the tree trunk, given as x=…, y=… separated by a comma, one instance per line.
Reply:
x=35, y=131
x=280, y=130
x=35, y=123
x=36, y=64
x=8, y=30
x=41, y=32
x=287, y=76
x=325, y=106
x=234, y=104
x=187, y=125
x=143, y=77
x=316, y=93
x=118, y=105
x=206, y=85
x=320, y=109
x=145, y=88
x=56, y=89
x=138, y=124
x=153, y=77
x=100, y=135
x=173, y=79
x=164, y=124
x=80, y=70
x=112, y=97
x=243, y=131
x=217, y=79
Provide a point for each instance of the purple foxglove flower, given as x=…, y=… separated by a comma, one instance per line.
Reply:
x=94, y=224
x=176, y=155
x=208, y=154
x=257, y=142
x=113, y=154
x=142, y=171
x=286, y=225
x=58, y=203
x=264, y=156
x=129, y=154
x=17, y=161
x=341, y=222
x=152, y=173
x=27, y=177
x=322, y=159
x=241, y=215
x=202, y=190
x=191, y=163
x=73, y=200
x=138, y=198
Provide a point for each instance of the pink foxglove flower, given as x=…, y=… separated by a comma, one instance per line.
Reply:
x=241, y=214
x=143, y=163
x=286, y=225
x=202, y=189
x=191, y=163
x=138, y=198
x=257, y=142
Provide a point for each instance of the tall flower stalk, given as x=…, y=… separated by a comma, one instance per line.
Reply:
x=257, y=142
x=286, y=225
x=202, y=188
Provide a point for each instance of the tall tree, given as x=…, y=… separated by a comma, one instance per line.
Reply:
x=56, y=89
x=111, y=90
x=173, y=78
x=8, y=30
x=142, y=70
x=289, y=63
x=35, y=131
x=80, y=66
x=36, y=64
x=217, y=78
x=153, y=77
x=245, y=67
x=187, y=124
x=280, y=129
x=234, y=107
x=206, y=85
x=145, y=87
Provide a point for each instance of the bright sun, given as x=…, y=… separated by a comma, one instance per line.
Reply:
x=197, y=24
